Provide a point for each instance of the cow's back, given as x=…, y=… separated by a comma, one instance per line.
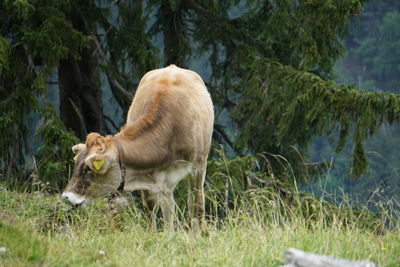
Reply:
x=179, y=111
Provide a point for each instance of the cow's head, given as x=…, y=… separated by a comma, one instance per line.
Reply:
x=96, y=173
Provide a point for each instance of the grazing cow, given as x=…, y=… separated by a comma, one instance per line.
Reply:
x=166, y=138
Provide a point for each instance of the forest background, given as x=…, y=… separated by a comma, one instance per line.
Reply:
x=307, y=88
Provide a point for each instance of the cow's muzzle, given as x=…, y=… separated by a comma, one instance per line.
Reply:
x=73, y=198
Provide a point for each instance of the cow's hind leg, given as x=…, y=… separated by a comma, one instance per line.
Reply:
x=196, y=199
x=153, y=202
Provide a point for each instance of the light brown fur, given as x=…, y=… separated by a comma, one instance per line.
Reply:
x=146, y=121
x=167, y=134
x=168, y=123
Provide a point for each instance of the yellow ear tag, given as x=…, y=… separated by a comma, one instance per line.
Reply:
x=97, y=164
x=76, y=157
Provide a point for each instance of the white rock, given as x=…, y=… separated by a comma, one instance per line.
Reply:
x=298, y=258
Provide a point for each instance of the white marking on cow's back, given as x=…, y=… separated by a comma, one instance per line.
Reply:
x=73, y=198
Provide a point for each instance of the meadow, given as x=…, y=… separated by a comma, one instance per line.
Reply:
x=38, y=229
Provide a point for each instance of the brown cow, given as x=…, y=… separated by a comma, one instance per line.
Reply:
x=166, y=138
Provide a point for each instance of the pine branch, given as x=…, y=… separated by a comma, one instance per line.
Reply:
x=80, y=116
x=302, y=105
x=229, y=28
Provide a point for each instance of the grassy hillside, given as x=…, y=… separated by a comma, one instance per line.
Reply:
x=38, y=229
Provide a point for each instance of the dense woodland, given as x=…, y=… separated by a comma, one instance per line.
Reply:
x=371, y=64
x=68, y=68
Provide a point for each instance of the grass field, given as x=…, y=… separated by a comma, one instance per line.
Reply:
x=40, y=230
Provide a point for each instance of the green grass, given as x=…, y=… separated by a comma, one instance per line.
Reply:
x=39, y=230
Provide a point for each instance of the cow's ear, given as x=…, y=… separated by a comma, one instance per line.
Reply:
x=97, y=141
x=78, y=148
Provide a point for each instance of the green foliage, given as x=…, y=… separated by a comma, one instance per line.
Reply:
x=271, y=69
x=45, y=31
x=269, y=65
x=371, y=64
x=55, y=154
x=130, y=48
x=18, y=100
x=45, y=40
x=300, y=106
x=3, y=53
x=38, y=36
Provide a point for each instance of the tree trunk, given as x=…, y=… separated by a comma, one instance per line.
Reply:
x=176, y=44
x=80, y=85
x=80, y=94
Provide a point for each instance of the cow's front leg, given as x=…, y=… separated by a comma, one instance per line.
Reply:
x=150, y=207
x=167, y=204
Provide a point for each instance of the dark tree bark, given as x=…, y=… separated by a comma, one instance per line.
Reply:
x=176, y=43
x=80, y=94
x=80, y=85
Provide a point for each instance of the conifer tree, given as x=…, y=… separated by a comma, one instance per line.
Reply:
x=371, y=62
x=270, y=63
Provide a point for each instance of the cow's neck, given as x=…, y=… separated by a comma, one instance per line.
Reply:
x=121, y=162
x=142, y=153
